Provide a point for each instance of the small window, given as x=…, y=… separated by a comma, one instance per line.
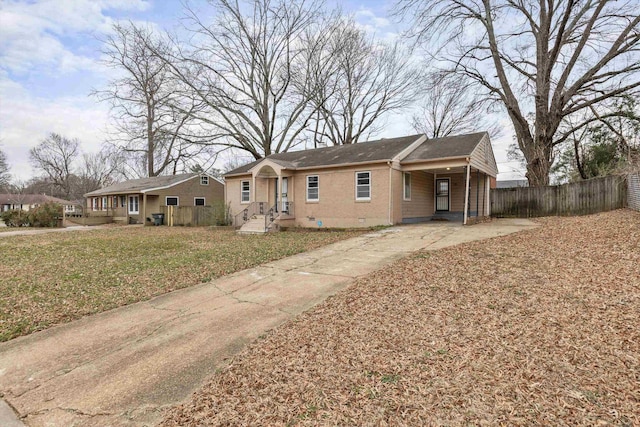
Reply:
x=171, y=200
x=245, y=196
x=198, y=201
x=123, y=201
x=363, y=185
x=134, y=205
x=104, y=203
x=313, y=188
x=204, y=180
x=114, y=204
x=94, y=204
x=407, y=185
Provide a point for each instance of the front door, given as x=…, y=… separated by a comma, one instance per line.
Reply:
x=442, y=195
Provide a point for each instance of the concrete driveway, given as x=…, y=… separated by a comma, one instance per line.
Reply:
x=125, y=366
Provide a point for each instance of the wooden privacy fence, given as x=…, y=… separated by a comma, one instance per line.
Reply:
x=580, y=198
x=192, y=215
x=633, y=191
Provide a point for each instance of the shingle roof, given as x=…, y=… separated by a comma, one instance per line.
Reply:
x=30, y=199
x=142, y=184
x=450, y=146
x=372, y=151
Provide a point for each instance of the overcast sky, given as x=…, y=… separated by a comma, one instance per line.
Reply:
x=49, y=62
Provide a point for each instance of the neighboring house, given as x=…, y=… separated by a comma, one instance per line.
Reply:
x=512, y=183
x=134, y=200
x=27, y=202
x=390, y=181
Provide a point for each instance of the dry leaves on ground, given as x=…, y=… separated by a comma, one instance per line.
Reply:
x=52, y=278
x=536, y=328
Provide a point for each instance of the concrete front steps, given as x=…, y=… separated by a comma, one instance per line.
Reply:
x=255, y=225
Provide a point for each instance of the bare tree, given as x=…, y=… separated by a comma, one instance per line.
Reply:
x=96, y=170
x=555, y=58
x=154, y=123
x=247, y=68
x=450, y=105
x=601, y=141
x=54, y=157
x=5, y=177
x=368, y=80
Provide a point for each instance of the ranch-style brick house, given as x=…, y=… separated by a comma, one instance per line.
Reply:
x=134, y=201
x=384, y=182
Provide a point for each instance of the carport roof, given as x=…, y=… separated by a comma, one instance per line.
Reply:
x=447, y=147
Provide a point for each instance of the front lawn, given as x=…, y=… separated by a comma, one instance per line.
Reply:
x=538, y=328
x=53, y=278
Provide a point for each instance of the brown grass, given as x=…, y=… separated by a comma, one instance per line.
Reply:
x=52, y=278
x=536, y=328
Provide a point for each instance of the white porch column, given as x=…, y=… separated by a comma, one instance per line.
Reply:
x=487, y=190
x=253, y=187
x=279, y=195
x=466, y=195
x=435, y=191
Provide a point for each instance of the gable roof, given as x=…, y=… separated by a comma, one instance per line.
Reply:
x=30, y=199
x=363, y=152
x=373, y=151
x=143, y=185
x=447, y=147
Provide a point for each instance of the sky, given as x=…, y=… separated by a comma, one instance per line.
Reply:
x=50, y=62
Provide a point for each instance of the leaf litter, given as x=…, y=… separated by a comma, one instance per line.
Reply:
x=540, y=327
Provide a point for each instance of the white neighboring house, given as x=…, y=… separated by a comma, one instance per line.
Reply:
x=27, y=202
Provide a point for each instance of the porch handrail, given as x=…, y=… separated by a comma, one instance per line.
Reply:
x=270, y=217
x=254, y=208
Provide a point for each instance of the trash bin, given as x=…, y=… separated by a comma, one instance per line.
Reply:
x=158, y=218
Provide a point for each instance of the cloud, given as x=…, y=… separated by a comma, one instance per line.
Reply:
x=27, y=119
x=34, y=33
x=368, y=17
x=381, y=27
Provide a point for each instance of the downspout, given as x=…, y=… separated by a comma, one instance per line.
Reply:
x=477, y=193
x=390, y=192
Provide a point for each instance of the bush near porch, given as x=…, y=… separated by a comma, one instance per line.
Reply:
x=53, y=278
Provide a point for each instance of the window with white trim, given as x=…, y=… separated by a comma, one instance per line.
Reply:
x=94, y=204
x=104, y=203
x=134, y=204
x=171, y=200
x=407, y=185
x=363, y=185
x=245, y=195
x=204, y=180
x=198, y=201
x=313, y=188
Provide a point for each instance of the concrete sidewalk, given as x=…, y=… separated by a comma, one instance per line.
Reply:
x=126, y=366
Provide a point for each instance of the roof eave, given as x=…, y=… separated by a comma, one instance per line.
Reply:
x=437, y=159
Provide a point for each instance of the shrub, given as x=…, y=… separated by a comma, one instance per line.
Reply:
x=222, y=213
x=15, y=218
x=46, y=215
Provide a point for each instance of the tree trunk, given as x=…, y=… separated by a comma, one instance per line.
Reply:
x=538, y=153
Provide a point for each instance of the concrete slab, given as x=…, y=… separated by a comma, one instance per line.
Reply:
x=8, y=417
x=126, y=366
